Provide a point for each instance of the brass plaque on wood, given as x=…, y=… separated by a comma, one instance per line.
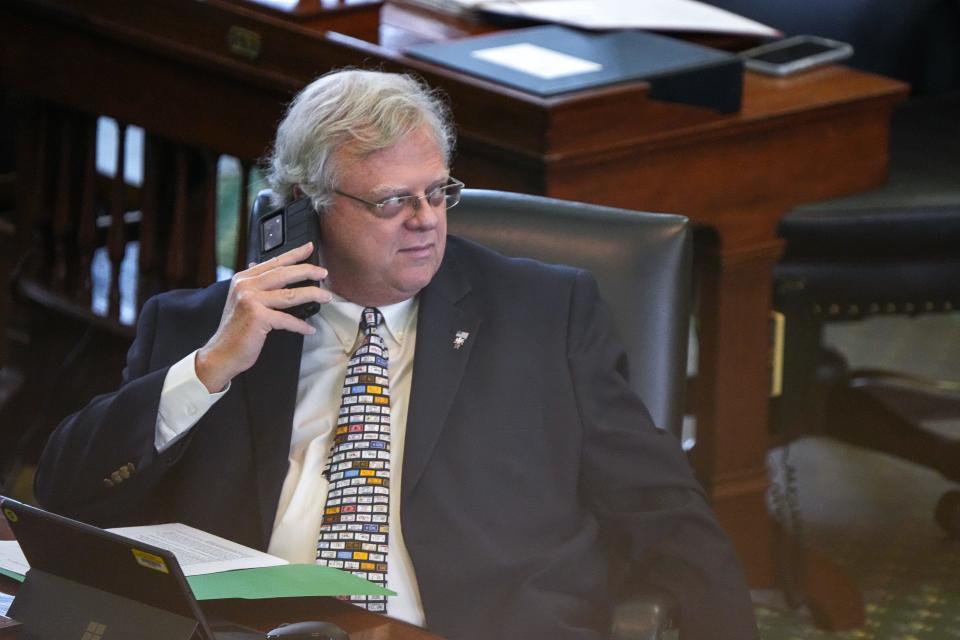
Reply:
x=243, y=42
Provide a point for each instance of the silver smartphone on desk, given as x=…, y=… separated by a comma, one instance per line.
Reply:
x=794, y=54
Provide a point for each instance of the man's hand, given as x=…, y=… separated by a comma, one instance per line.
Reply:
x=254, y=308
x=5, y=532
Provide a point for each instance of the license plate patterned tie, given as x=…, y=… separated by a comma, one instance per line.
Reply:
x=354, y=532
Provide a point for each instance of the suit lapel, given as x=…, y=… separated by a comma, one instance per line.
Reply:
x=439, y=365
x=271, y=393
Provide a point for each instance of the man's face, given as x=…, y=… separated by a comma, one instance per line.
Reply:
x=374, y=261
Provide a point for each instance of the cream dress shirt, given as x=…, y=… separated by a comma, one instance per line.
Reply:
x=296, y=528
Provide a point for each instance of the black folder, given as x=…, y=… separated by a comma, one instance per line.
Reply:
x=85, y=582
x=677, y=71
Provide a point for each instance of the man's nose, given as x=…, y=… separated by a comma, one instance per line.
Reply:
x=426, y=215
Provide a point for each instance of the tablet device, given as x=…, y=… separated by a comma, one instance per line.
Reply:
x=85, y=582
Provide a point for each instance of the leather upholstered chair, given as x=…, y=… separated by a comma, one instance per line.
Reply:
x=893, y=251
x=642, y=263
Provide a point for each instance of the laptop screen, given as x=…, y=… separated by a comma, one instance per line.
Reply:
x=102, y=560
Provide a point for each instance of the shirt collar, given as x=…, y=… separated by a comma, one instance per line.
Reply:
x=343, y=317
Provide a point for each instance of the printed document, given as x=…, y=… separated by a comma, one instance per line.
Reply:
x=656, y=15
x=198, y=552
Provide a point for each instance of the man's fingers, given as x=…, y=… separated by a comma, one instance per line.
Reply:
x=282, y=276
x=283, y=320
x=295, y=255
x=286, y=298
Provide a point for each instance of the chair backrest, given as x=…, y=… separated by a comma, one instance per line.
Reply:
x=642, y=263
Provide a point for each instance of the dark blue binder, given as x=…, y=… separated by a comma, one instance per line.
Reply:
x=677, y=71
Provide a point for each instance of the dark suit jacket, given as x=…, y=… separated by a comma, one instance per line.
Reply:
x=525, y=452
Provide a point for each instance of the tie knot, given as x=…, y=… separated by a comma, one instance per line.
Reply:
x=370, y=319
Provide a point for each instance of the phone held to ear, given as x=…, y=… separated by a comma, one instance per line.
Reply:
x=794, y=54
x=280, y=230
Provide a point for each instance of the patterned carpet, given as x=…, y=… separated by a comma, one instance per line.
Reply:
x=872, y=513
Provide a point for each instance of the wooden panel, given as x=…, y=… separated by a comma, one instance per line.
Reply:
x=357, y=18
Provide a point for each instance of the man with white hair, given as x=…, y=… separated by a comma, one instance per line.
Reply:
x=452, y=423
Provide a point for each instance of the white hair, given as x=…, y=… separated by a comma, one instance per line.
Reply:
x=369, y=110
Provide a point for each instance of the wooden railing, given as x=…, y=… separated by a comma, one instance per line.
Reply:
x=203, y=80
x=152, y=237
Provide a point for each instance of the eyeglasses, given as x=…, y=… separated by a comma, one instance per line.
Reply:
x=388, y=208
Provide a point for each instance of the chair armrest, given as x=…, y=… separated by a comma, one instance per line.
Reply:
x=643, y=613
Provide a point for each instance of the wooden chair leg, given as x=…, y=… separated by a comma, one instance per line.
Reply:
x=857, y=415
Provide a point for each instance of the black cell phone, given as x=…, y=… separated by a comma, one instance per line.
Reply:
x=794, y=54
x=279, y=230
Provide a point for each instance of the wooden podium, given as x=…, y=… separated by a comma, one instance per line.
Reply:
x=171, y=67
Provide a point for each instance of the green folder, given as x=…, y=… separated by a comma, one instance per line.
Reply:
x=282, y=581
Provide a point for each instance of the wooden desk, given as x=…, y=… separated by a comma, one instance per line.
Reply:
x=360, y=624
x=357, y=18
x=817, y=135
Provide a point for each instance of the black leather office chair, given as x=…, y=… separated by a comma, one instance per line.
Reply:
x=896, y=251
x=642, y=263
x=891, y=251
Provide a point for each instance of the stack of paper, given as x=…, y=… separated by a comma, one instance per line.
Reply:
x=655, y=15
x=218, y=568
x=453, y=7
